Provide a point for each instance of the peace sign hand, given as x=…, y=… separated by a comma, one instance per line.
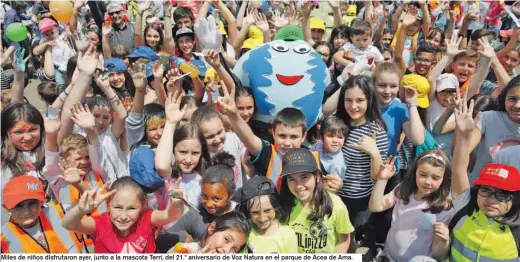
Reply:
x=387, y=168
x=91, y=199
x=226, y=103
x=367, y=144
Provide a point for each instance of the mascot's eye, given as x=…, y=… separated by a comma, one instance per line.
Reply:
x=302, y=49
x=280, y=48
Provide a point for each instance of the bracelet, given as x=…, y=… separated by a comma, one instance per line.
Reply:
x=65, y=92
x=113, y=98
x=412, y=105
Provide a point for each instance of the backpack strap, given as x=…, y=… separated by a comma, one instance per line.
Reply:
x=516, y=235
x=460, y=214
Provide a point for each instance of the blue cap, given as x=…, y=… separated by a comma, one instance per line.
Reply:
x=115, y=65
x=144, y=52
x=142, y=169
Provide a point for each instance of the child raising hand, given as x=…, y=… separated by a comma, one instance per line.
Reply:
x=129, y=226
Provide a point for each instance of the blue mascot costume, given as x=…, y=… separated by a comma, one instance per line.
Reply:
x=286, y=72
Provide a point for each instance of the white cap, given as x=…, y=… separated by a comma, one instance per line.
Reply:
x=447, y=81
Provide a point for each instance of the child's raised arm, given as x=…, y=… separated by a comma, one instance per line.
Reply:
x=213, y=60
x=482, y=70
x=452, y=50
x=466, y=125
x=89, y=200
x=164, y=152
x=174, y=211
x=380, y=202
x=242, y=129
x=119, y=120
x=87, y=64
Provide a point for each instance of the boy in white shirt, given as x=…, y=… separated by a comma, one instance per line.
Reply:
x=361, y=48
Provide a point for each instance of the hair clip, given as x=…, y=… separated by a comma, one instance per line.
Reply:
x=435, y=155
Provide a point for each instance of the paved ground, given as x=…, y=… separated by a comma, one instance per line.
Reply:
x=30, y=92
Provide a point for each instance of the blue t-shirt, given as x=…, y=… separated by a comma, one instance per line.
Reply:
x=394, y=115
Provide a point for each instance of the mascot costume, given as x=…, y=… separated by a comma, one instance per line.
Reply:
x=286, y=72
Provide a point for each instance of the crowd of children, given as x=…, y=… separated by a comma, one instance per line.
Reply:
x=151, y=139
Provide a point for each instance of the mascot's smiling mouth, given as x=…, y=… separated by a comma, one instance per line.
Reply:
x=289, y=80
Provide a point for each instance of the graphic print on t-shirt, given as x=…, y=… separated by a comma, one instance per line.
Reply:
x=313, y=238
x=506, y=152
x=134, y=247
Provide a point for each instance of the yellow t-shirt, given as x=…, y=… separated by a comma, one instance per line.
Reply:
x=282, y=242
x=320, y=236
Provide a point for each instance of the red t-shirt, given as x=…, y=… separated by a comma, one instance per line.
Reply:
x=140, y=240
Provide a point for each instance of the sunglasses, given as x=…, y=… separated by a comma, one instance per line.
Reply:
x=499, y=195
x=114, y=13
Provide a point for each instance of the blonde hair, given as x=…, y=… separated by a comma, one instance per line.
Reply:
x=388, y=68
x=72, y=142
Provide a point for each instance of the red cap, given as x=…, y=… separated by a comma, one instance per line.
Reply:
x=20, y=188
x=499, y=176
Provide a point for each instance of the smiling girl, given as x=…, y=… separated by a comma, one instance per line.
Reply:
x=218, y=140
x=269, y=233
x=186, y=145
x=129, y=226
x=318, y=217
x=497, y=130
x=421, y=210
x=365, y=145
x=217, y=190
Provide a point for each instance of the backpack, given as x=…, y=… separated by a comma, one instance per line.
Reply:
x=465, y=212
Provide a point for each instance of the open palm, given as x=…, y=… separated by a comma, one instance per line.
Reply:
x=174, y=112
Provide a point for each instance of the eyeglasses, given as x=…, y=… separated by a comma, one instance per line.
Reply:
x=499, y=195
x=422, y=60
x=114, y=13
x=323, y=54
x=447, y=92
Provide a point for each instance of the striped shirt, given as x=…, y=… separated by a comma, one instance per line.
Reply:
x=357, y=182
x=123, y=35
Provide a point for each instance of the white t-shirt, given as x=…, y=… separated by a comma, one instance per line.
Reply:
x=411, y=232
x=363, y=56
x=235, y=147
x=112, y=159
x=499, y=143
x=443, y=141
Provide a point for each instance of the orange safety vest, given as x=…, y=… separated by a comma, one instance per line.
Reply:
x=275, y=167
x=69, y=195
x=14, y=239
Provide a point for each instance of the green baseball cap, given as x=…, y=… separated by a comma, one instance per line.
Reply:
x=289, y=33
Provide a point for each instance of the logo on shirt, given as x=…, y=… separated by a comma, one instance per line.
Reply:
x=134, y=247
x=315, y=239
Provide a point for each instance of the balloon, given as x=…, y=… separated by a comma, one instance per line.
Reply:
x=61, y=10
x=16, y=32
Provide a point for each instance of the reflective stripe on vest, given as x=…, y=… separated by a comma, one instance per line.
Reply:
x=58, y=239
x=474, y=239
x=275, y=167
x=69, y=195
